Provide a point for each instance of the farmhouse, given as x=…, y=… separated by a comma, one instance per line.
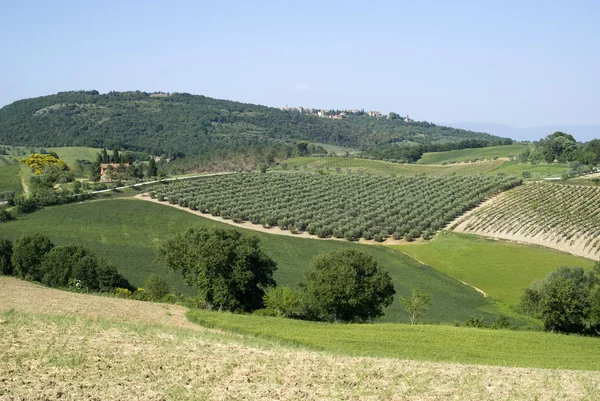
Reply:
x=106, y=168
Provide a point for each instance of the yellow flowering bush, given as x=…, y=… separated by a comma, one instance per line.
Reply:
x=37, y=162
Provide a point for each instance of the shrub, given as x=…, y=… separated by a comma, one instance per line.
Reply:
x=282, y=301
x=122, y=293
x=6, y=251
x=156, y=287
x=474, y=321
x=5, y=216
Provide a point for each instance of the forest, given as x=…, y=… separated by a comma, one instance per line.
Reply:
x=182, y=124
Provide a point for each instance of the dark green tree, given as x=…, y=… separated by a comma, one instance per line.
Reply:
x=152, y=169
x=565, y=300
x=116, y=158
x=28, y=253
x=229, y=270
x=347, y=286
x=59, y=264
x=6, y=251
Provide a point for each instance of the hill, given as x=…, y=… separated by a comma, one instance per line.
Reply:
x=129, y=232
x=75, y=346
x=185, y=124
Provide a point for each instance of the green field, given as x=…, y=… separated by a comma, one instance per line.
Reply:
x=128, y=233
x=69, y=155
x=419, y=342
x=501, y=269
x=329, y=164
x=538, y=171
x=10, y=180
x=463, y=155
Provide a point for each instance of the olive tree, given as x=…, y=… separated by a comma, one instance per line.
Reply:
x=348, y=286
x=229, y=270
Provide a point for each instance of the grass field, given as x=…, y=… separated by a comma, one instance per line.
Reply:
x=501, y=269
x=62, y=345
x=538, y=171
x=463, y=155
x=69, y=155
x=329, y=164
x=419, y=342
x=10, y=180
x=128, y=233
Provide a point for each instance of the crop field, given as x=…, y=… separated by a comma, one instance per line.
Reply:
x=565, y=217
x=537, y=171
x=464, y=155
x=350, y=207
x=75, y=346
x=128, y=233
x=502, y=269
x=345, y=165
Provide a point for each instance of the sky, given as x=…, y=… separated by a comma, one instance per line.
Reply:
x=520, y=63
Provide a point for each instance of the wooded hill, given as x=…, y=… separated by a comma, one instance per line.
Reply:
x=184, y=124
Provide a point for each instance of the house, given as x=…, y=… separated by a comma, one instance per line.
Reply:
x=374, y=113
x=160, y=94
x=106, y=168
x=406, y=119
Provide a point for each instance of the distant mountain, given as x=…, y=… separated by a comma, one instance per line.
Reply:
x=582, y=133
x=182, y=124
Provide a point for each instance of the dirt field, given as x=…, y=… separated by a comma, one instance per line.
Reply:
x=59, y=345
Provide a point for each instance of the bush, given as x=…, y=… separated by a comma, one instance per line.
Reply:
x=474, y=321
x=156, y=287
x=6, y=251
x=122, y=293
x=282, y=301
x=5, y=216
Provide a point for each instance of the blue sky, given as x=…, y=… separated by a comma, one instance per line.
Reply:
x=522, y=63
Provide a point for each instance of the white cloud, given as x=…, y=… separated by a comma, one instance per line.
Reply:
x=301, y=87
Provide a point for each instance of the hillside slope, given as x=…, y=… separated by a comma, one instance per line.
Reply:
x=73, y=346
x=190, y=124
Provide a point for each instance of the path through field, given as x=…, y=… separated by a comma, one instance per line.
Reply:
x=60, y=345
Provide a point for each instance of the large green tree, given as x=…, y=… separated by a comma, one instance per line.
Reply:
x=28, y=253
x=229, y=270
x=348, y=286
x=567, y=300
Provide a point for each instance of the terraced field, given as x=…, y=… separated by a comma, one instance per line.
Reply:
x=564, y=217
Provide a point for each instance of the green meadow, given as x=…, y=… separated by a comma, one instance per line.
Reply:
x=418, y=342
x=501, y=269
x=128, y=232
x=70, y=154
x=10, y=180
x=463, y=155
x=538, y=171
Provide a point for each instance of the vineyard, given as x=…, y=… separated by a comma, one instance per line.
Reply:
x=565, y=217
x=340, y=206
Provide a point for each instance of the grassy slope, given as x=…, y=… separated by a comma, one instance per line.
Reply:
x=381, y=167
x=470, y=154
x=10, y=180
x=69, y=155
x=128, y=232
x=431, y=343
x=501, y=269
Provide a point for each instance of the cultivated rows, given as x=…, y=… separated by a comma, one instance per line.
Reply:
x=341, y=206
x=556, y=213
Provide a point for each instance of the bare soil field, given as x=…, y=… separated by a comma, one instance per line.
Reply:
x=59, y=345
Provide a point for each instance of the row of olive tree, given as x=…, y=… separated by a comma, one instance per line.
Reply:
x=36, y=258
x=232, y=273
